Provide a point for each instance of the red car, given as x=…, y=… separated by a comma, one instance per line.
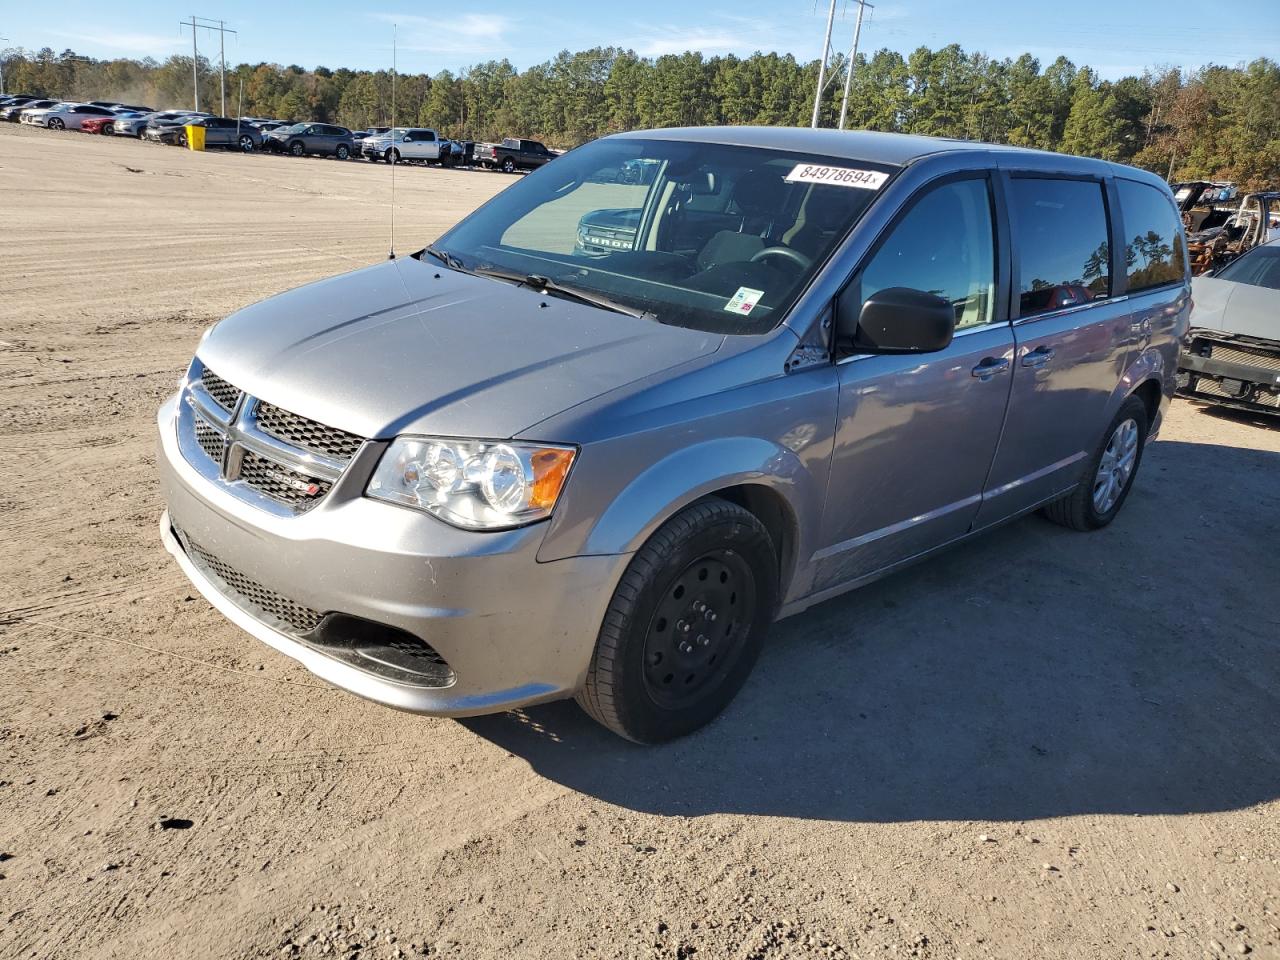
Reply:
x=99, y=125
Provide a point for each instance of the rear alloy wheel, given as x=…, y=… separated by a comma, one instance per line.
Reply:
x=685, y=625
x=508, y=165
x=1108, y=476
x=56, y=124
x=297, y=149
x=342, y=152
x=246, y=143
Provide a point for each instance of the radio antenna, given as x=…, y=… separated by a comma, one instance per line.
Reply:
x=391, y=136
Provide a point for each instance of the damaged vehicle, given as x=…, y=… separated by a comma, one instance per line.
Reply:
x=1225, y=235
x=1231, y=354
x=507, y=469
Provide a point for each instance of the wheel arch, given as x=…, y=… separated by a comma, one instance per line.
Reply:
x=763, y=477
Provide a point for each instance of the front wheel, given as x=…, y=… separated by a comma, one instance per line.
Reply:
x=297, y=149
x=246, y=143
x=685, y=625
x=392, y=156
x=56, y=124
x=1109, y=473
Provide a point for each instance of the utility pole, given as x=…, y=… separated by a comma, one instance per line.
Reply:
x=5, y=40
x=853, y=59
x=822, y=69
x=195, y=59
x=206, y=23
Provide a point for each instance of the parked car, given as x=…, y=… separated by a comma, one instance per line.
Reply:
x=64, y=116
x=16, y=100
x=1231, y=354
x=105, y=125
x=512, y=154
x=137, y=126
x=301, y=139
x=165, y=129
x=12, y=112
x=218, y=132
x=496, y=473
x=408, y=143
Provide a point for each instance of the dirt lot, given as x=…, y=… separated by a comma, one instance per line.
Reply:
x=1041, y=745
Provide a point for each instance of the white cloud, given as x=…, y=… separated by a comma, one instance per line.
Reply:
x=696, y=40
x=468, y=33
x=138, y=44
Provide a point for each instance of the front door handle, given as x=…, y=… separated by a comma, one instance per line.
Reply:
x=990, y=366
x=1037, y=357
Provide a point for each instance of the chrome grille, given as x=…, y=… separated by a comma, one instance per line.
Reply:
x=1238, y=354
x=307, y=434
x=223, y=393
x=280, y=483
x=278, y=461
x=210, y=439
x=1210, y=387
x=263, y=603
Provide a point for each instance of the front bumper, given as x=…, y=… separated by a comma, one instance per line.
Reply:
x=513, y=631
x=1247, y=379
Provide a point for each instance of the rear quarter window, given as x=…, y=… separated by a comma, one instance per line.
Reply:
x=1153, y=252
x=1062, y=243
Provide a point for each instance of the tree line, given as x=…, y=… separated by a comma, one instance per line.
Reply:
x=1215, y=122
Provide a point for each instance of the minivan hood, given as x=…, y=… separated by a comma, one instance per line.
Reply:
x=409, y=347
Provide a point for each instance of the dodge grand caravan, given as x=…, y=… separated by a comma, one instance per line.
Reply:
x=502, y=471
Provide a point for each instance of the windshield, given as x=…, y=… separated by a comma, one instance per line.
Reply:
x=715, y=237
x=1260, y=267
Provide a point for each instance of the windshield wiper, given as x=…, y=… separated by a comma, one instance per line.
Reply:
x=448, y=259
x=539, y=283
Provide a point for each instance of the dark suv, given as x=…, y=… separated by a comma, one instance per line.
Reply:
x=300, y=139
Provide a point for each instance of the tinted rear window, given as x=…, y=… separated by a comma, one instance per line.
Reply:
x=1153, y=249
x=1062, y=243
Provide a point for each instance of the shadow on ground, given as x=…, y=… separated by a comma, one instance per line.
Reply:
x=1035, y=672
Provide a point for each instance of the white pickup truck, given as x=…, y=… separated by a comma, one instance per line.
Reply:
x=409, y=143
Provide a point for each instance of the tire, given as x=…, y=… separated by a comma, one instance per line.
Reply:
x=56, y=124
x=392, y=156
x=297, y=149
x=663, y=666
x=508, y=165
x=180, y=139
x=342, y=152
x=1091, y=506
x=246, y=143
x=141, y=131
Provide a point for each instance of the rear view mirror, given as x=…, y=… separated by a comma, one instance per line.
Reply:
x=896, y=320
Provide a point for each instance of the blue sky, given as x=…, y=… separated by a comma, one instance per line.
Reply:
x=1113, y=36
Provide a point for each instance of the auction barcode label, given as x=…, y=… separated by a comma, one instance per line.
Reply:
x=836, y=176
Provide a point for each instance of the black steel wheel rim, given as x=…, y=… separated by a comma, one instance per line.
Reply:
x=698, y=628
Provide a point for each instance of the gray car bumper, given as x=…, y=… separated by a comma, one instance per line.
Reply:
x=513, y=631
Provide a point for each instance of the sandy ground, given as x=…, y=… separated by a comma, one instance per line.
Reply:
x=1044, y=744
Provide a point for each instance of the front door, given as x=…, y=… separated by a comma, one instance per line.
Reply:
x=916, y=434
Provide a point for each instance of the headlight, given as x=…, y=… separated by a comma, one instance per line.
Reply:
x=478, y=484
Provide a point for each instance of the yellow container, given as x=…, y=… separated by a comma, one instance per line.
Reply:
x=195, y=137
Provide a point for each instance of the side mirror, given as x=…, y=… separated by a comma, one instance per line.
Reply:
x=896, y=320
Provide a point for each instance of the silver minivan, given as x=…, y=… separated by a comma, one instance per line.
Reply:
x=500, y=471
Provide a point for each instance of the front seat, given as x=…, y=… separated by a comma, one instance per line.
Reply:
x=758, y=197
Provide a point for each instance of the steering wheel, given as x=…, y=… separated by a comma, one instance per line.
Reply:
x=795, y=256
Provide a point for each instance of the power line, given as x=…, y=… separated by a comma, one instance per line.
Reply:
x=207, y=23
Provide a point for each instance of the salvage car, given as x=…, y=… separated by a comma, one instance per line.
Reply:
x=1231, y=354
x=497, y=472
x=64, y=116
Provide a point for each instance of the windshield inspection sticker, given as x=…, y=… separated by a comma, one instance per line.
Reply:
x=836, y=176
x=744, y=301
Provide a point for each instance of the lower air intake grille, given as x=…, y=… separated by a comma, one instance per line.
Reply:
x=256, y=597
